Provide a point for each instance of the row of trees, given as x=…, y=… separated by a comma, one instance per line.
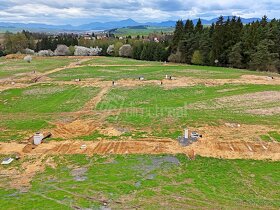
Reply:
x=16, y=42
x=228, y=43
x=30, y=43
x=46, y=45
x=51, y=42
x=139, y=50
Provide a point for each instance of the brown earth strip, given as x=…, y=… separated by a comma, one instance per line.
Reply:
x=41, y=156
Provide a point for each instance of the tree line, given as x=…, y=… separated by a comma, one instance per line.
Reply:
x=228, y=43
x=142, y=49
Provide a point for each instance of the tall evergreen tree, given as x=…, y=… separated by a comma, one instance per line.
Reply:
x=189, y=27
x=218, y=40
x=178, y=33
x=235, y=56
x=263, y=59
x=198, y=26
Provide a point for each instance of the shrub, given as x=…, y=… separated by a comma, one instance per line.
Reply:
x=29, y=51
x=94, y=51
x=84, y=51
x=71, y=50
x=117, y=47
x=197, y=58
x=81, y=51
x=45, y=53
x=62, y=50
x=110, y=50
x=176, y=58
x=28, y=58
x=125, y=51
x=137, y=50
x=1, y=53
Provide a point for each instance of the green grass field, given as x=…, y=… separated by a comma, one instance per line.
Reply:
x=142, y=32
x=150, y=182
x=147, y=110
x=15, y=68
x=153, y=72
x=158, y=106
x=101, y=60
x=31, y=109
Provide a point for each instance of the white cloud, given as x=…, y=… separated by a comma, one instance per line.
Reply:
x=73, y=11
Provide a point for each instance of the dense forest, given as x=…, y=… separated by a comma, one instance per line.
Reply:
x=227, y=43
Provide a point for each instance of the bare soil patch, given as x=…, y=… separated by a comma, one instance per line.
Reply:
x=20, y=178
x=229, y=141
x=74, y=129
x=10, y=85
x=209, y=146
x=255, y=79
x=111, y=131
x=15, y=56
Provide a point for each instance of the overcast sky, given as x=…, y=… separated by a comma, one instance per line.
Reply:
x=77, y=12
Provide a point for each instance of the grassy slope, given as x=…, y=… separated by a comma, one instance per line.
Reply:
x=45, y=99
x=155, y=72
x=30, y=109
x=156, y=101
x=203, y=183
x=117, y=61
x=168, y=109
x=152, y=70
x=12, y=67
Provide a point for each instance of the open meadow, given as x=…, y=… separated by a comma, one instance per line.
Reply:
x=115, y=124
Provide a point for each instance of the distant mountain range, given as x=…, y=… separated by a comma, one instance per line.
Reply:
x=102, y=26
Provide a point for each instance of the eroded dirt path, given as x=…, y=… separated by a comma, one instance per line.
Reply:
x=90, y=105
x=71, y=65
x=218, y=149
